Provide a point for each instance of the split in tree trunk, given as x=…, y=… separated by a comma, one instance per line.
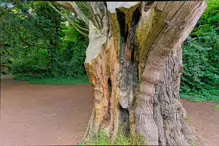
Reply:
x=134, y=62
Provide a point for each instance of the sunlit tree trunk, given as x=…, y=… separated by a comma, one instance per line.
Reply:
x=134, y=62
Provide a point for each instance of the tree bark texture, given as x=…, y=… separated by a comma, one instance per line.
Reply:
x=134, y=62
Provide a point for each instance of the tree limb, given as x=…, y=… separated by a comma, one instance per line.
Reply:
x=66, y=6
x=76, y=26
x=71, y=6
x=80, y=13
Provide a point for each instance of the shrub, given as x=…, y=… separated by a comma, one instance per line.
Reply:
x=200, y=55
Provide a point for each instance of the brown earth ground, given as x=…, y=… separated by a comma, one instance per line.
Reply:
x=57, y=115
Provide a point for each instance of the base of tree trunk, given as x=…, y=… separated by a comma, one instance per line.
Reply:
x=168, y=125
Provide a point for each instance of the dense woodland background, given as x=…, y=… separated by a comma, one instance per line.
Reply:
x=39, y=45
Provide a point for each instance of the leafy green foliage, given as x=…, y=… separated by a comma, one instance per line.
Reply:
x=200, y=80
x=6, y=62
x=72, y=54
x=40, y=41
x=34, y=62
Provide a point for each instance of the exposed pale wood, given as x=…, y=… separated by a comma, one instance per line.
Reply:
x=111, y=6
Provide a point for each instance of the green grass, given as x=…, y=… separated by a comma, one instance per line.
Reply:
x=188, y=121
x=52, y=81
x=202, y=96
x=193, y=144
x=217, y=107
x=101, y=138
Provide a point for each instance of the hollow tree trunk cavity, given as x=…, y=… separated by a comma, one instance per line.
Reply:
x=134, y=62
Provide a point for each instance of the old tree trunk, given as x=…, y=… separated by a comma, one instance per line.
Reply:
x=134, y=62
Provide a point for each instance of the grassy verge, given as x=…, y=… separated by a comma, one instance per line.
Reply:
x=217, y=107
x=202, y=96
x=52, y=81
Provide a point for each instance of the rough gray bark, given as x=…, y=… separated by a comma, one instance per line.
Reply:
x=134, y=63
x=169, y=114
x=171, y=30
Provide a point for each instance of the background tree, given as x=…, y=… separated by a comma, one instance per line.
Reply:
x=51, y=30
x=134, y=63
x=38, y=40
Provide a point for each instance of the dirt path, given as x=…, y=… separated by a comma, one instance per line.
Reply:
x=57, y=115
x=43, y=115
x=204, y=118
